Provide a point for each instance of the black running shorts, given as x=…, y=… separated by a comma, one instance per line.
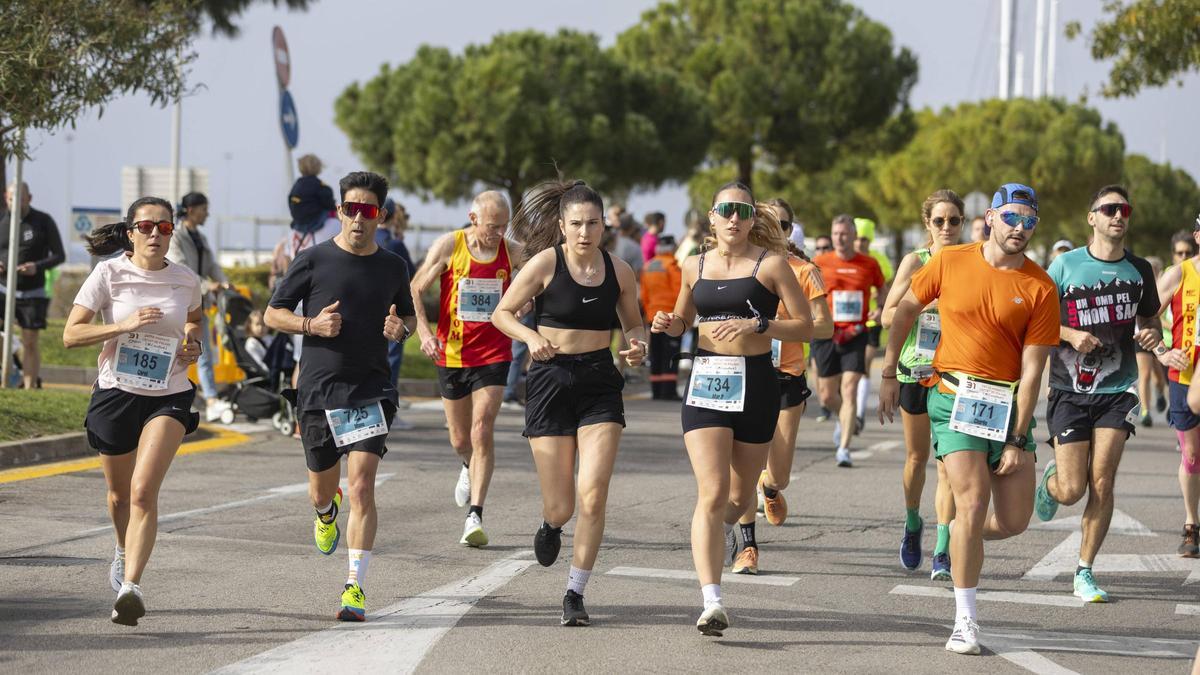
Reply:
x=571, y=391
x=834, y=359
x=760, y=411
x=321, y=453
x=115, y=417
x=30, y=312
x=793, y=389
x=1071, y=417
x=456, y=383
x=914, y=398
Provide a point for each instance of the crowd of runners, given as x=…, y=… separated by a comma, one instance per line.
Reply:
x=962, y=333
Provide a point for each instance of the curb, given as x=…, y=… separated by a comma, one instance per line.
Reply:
x=86, y=376
x=61, y=446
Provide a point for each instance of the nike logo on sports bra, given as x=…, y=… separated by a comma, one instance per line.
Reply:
x=721, y=288
x=587, y=300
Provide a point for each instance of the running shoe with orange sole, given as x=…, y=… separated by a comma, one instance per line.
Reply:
x=774, y=508
x=746, y=561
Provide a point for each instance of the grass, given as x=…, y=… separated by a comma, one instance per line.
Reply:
x=416, y=365
x=41, y=412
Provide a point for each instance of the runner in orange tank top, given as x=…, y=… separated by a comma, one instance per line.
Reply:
x=474, y=265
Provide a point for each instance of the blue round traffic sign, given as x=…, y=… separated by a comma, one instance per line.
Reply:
x=289, y=121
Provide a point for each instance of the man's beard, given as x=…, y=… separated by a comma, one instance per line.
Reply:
x=1012, y=248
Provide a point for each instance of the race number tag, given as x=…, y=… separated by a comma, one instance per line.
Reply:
x=351, y=425
x=982, y=408
x=1135, y=413
x=929, y=333
x=718, y=383
x=477, y=298
x=847, y=306
x=776, y=348
x=144, y=360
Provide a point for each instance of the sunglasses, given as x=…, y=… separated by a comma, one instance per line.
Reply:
x=743, y=210
x=1014, y=219
x=1111, y=210
x=354, y=209
x=146, y=227
x=823, y=248
x=954, y=221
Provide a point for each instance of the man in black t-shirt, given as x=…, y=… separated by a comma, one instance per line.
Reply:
x=39, y=249
x=356, y=299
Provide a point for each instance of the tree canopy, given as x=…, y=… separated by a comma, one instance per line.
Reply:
x=523, y=108
x=1152, y=41
x=1165, y=199
x=1063, y=151
x=223, y=13
x=789, y=82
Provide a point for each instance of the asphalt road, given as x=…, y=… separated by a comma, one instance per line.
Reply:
x=235, y=581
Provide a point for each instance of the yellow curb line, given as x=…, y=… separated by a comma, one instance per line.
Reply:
x=224, y=439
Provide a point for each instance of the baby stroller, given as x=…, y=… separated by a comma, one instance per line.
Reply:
x=257, y=396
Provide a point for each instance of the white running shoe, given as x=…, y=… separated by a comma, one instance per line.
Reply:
x=129, y=606
x=473, y=534
x=401, y=424
x=713, y=621
x=965, y=638
x=214, y=408
x=462, y=489
x=843, y=457
x=402, y=404
x=731, y=546
x=512, y=406
x=116, y=572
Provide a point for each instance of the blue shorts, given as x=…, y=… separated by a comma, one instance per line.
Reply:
x=1179, y=415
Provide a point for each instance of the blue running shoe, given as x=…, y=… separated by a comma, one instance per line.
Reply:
x=910, y=548
x=941, y=567
x=1043, y=503
x=1086, y=588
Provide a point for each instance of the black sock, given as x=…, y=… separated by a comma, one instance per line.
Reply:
x=748, y=536
x=466, y=466
x=769, y=492
x=330, y=515
x=477, y=510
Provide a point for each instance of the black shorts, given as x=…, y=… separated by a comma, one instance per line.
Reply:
x=320, y=451
x=874, y=333
x=834, y=359
x=571, y=391
x=793, y=389
x=115, y=417
x=1071, y=417
x=760, y=411
x=456, y=383
x=30, y=312
x=1179, y=415
x=914, y=398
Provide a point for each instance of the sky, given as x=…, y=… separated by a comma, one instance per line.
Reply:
x=231, y=127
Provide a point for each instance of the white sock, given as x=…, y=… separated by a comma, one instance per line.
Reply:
x=964, y=603
x=359, y=559
x=1086, y=565
x=577, y=579
x=712, y=594
x=864, y=390
x=119, y=551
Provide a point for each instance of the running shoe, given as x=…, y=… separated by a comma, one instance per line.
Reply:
x=837, y=434
x=327, y=535
x=1086, y=588
x=774, y=508
x=473, y=534
x=1044, y=504
x=860, y=424
x=1161, y=403
x=462, y=489
x=843, y=458
x=129, y=606
x=546, y=544
x=116, y=572
x=762, y=498
x=573, y=612
x=910, y=548
x=401, y=424
x=1145, y=419
x=746, y=561
x=512, y=405
x=713, y=621
x=731, y=546
x=1190, y=546
x=823, y=415
x=941, y=567
x=353, y=604
x=965, y=638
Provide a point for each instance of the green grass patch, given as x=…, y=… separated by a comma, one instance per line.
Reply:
x=41, y=412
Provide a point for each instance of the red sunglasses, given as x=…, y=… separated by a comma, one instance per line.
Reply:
x=146, y=227
x=1111, y=210
x=353, y=209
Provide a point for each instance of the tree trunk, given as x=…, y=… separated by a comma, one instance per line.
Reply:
x=3, y=171
x=514, y=197
x=745, y=165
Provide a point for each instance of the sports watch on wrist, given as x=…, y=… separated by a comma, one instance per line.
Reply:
x=1017, y=440
x=762, y=324
x=1161, y=349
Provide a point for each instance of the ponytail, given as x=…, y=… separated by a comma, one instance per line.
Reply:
x=108, y=239
x=535, y=222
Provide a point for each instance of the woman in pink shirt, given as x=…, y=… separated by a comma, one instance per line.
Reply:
x=655, y=221
x=141, y=402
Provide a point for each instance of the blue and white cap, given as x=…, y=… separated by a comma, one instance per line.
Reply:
x=1005, y=195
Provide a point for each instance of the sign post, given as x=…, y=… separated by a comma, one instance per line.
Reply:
x=289, y=121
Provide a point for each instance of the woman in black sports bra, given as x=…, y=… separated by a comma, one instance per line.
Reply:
x=733, y=288
x=573, y=405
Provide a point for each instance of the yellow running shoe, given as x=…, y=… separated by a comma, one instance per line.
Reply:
x=327, y=535
x=353, y=604
x=746, y=561
x=774, y=508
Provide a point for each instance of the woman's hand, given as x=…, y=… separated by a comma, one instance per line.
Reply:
x=635, y=354
x=542, y=349
x=662, y=321
x=189, y=351
x=143, y=317
x=732, y=329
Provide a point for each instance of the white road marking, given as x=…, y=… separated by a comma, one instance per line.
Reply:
x=994, y=596
x=654, y=573
x=1122, y=523
x=875, y=448
x=1031, y=661
x=1065, y=557
x=394, y=640
x=1192, y=610
x=272, y=493
x=1062, y=557
x=1117, y=645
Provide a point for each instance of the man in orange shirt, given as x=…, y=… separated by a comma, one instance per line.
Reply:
x=1000, y=319
x=850, y=277
x=661, y=277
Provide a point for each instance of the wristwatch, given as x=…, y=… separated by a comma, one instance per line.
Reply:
x=762, y=324
x=1161, y=349
x=1017, y=440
